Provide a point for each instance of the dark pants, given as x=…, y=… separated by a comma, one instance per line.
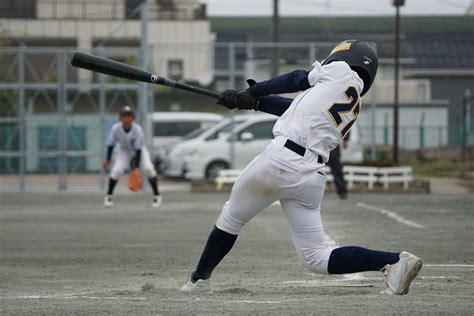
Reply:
x=336, y=169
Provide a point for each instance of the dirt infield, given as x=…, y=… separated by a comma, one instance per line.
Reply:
x=65, y=254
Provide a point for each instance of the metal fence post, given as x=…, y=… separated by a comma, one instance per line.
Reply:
x=22, y=118
x=231, y=57
x=62, y=124
x=312, y=54
x=102, y=107
x=373, y=146
x=143, y=98
x=422, y=131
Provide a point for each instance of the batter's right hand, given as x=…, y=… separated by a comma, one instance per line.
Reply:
x=106, y=165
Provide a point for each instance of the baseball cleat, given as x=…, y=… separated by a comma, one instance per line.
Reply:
x=108, y=201
x=201, y=286
x=156, y=201
x=398, y=276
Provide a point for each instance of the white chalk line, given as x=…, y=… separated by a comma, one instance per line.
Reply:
x=71, y=297
x=449, y=265
x=391, y=214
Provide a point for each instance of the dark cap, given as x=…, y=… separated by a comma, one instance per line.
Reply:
x=127, y=110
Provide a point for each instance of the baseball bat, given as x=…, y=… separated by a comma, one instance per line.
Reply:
x=121, y=70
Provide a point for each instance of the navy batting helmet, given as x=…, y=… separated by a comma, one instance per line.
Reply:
x=360, y=57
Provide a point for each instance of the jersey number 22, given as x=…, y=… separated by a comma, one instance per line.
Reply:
x=352, y=105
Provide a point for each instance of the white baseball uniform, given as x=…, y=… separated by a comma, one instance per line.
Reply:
x=316, y=120
x=129, y=142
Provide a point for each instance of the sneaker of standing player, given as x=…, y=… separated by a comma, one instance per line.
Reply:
x=108, y=201
x=200, y=286
x=156, y=201
x=398, y=276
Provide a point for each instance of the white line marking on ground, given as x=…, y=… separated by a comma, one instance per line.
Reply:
x=256, y=302
x=390, y=214
x=70, y=297
x=450, y=265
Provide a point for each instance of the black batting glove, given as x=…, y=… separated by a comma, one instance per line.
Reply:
x=245, y=101
x=227, y=99
x=240, y=99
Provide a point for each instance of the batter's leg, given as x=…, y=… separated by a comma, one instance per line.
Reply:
x=251, y=194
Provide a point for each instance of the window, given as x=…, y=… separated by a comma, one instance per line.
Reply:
x=261, y=130
x=174, y=128
x=175, y=69
x=130, y=6
x=226, y=129
x=20, y=9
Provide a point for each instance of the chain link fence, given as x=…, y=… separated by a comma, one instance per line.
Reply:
x=54, y=118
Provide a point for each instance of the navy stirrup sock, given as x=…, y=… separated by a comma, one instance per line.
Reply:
x=112, y=183
x=217, y=247
x=357, y=259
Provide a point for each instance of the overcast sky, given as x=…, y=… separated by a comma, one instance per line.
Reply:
x=335, y=7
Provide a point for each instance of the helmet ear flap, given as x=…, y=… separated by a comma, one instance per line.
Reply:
x=364, y=75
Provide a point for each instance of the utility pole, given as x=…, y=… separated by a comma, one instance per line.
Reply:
x=397, y=4
x=275, y=39
x=466, y=122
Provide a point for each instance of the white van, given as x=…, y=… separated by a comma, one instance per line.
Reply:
x=172, y=155
x=171, y=126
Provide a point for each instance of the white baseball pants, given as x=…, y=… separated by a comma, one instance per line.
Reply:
x=298, y=183
x=122, y=163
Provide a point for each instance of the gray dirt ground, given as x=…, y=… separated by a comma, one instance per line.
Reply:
x=65, y=254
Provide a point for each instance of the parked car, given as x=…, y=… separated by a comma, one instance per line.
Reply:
x=249, y=139
x=172, y=155
x=169, y=127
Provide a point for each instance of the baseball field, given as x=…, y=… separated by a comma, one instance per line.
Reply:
x=66, y=254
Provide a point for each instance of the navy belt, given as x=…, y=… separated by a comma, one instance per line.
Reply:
x=300, y=150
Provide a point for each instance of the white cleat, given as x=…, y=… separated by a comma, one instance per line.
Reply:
x=201, y=286
x=108, y=203
x=156, y=201
x=398, y=276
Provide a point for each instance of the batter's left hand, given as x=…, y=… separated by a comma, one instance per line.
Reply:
x=240, y=99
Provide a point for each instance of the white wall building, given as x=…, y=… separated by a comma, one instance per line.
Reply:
x=178, y=30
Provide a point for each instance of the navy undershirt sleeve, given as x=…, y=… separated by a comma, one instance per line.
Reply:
x=273, y=104
x=287, y=83
x=138, y=155
x=110, y=149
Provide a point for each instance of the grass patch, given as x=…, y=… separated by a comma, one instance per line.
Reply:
x=444, y=168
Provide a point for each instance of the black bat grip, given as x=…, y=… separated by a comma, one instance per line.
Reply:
x=109, y=67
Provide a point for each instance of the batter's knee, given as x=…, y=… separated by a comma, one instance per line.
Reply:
x=316, y=259
x=228, y=222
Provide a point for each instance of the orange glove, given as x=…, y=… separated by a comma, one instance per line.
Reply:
x=135, y=183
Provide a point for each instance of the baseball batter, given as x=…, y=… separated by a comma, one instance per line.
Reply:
x=291, y=168
x=132, y=153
